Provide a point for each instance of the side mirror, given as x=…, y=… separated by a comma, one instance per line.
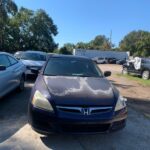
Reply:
x=107, y=73
x=2, y=68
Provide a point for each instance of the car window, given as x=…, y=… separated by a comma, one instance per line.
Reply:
x=146, y=61
x=4, y=61
x=33, y=56
x=71, y=67
x=12, y=60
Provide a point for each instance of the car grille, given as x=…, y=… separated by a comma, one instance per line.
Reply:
x=84, y=110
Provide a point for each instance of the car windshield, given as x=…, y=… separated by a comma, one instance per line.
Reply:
x=33, y=56
x=72, y=67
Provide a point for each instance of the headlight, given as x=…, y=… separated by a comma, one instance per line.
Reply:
x=121, y=103
x=40, y=101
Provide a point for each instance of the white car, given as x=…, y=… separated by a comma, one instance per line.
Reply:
x=12, y=74
x=100, y=60
x=33, y=60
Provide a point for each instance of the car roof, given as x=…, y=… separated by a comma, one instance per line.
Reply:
x=68, y=56
x=5, y=53
x=38, y=52
x=18, y=52
x=29, y=51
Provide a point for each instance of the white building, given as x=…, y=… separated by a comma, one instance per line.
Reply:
x=101, y=54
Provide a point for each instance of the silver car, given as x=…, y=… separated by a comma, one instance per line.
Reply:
x=33, y=60
x=12, y=74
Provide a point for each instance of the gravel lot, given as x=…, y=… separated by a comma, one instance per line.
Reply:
x=138, y=96
x=16, y=134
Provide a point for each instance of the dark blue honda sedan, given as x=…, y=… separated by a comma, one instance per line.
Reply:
x=72, y=95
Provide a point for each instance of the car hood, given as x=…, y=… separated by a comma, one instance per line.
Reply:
x=33, y=63
x=80, y=90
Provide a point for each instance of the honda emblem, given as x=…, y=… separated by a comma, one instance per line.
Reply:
x=86, y=111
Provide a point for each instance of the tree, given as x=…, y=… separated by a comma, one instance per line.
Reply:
x=64, y=50
x=100, y=42
x=29, y=30
x=8, y=8
x=70, y=47
x=137, y=42
x=82, y=45
x=43, y=29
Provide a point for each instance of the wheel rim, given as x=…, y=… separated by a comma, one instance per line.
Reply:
x=145, y=75
x=125, y=71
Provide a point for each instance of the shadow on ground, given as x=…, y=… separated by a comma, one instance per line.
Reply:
x=142, y=105
x=80, y=142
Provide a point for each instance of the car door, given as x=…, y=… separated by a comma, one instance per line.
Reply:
x=16, y=71
x=131, y=68
x=5, y=76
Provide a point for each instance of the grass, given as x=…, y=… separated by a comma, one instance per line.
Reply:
x=138, y=79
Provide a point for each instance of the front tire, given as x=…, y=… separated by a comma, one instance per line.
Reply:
x=125, y=71
x=146, y=75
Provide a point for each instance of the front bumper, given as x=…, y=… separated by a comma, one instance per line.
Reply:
x=44, y=122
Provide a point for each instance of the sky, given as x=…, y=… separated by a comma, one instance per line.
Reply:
x=82, y=20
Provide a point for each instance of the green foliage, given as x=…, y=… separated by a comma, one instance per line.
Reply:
x=27, y=30
x=56, y=51
x=7, y=9
x=64, y=51
x=137, y=42
x=70, y=47
x=100, y=42
x=82, y=45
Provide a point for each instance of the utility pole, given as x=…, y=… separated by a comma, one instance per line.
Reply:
x=110, y=39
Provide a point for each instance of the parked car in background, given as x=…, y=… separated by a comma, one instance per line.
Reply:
x=138, y=66
x=18, y=54
x=33, y=60
x=12, y=74
x=72, y=95
x=100, y=60
x=121, y=61
x=112, y=60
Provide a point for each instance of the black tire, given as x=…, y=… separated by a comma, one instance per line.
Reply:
x=145, y=75
x=125, y=71
x=22, y=82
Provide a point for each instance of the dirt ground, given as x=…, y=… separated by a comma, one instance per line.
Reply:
x=138, y=96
